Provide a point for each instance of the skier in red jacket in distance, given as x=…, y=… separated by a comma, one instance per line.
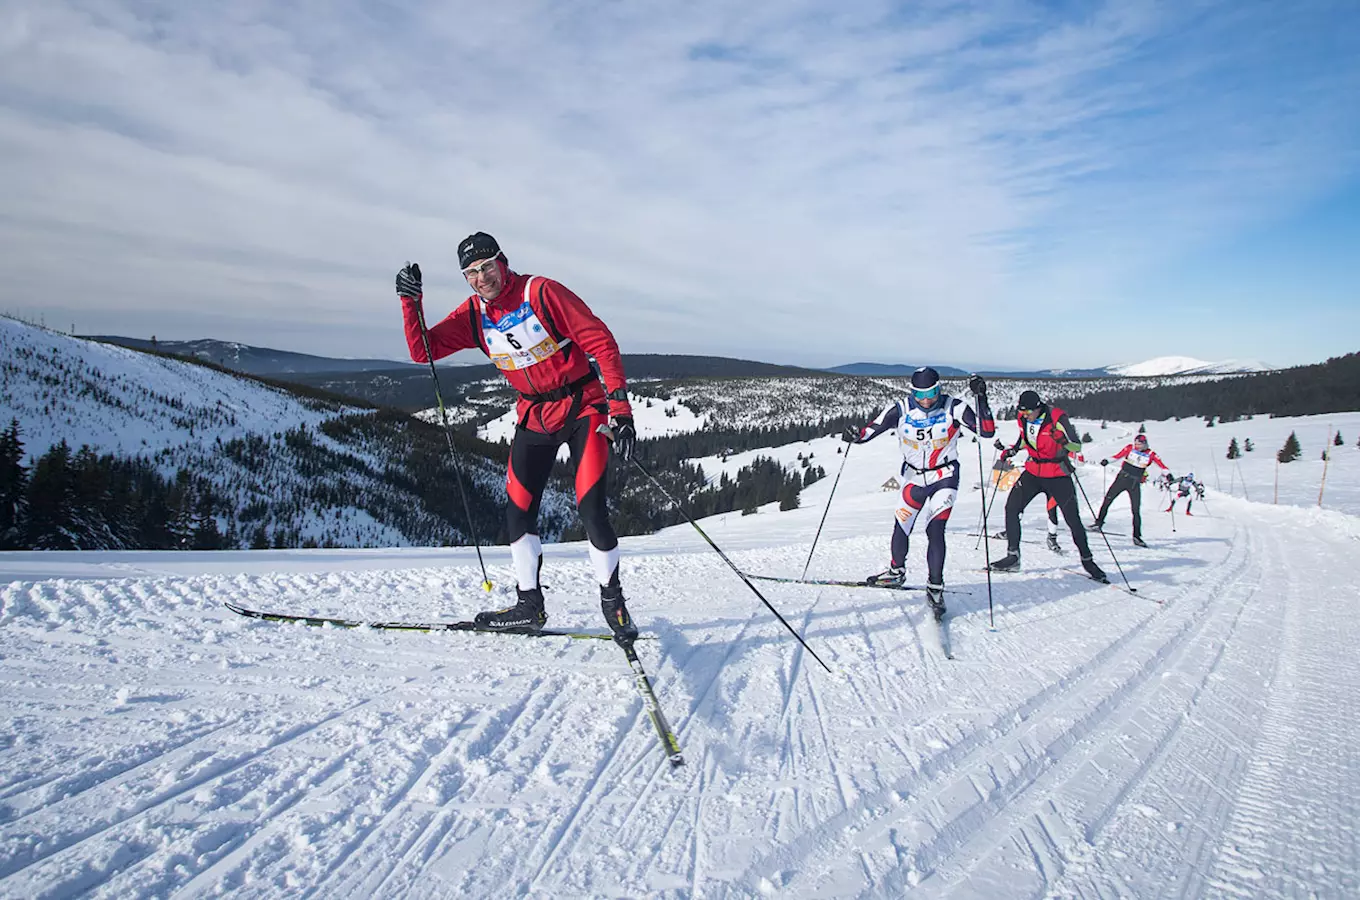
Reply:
x=1138, y=457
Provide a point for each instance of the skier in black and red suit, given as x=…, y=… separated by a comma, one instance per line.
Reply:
x=1138, y=457
x=539, y=334
x=1048, y=436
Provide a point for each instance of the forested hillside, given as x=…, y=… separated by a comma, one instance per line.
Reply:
x=1332, y=386
x=106, y=447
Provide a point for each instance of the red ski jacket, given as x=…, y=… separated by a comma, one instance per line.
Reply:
x=1049, y=441
x=538, y=333
x=1138, y=462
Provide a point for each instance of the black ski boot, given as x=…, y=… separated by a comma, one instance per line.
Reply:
x=527, y=613
x=616, y=614
x=893, y=576
x=1139, y=542
x=1053, y=544
x=1097, y=525
x=1008, y=563
x=935, y=597
x=1094, y=570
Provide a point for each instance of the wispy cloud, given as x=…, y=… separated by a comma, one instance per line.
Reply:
x=793, y=181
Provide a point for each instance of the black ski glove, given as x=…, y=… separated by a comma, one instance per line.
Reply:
x=408, y=282
x=978, y=385
x=850, y=435
x=625, y=436
x=998, y=445
x=1066, y=465
x=1104, y=462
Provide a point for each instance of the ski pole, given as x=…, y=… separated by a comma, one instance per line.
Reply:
x=982, y=486
x=1077, y=479
x=986, y=544
x=815, y=537
x=740, y=574
x=987, y=507
x=448, y=435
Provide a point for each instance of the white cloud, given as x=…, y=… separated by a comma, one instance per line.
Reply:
x=785, y=182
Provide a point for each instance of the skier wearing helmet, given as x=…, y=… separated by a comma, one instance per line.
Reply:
x=927, y=422
x=538, y=333
x=1186, y=487
x=1138, y=458
x=1049, y=438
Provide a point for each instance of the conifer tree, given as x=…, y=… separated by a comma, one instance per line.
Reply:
x=1233, y=452
x=51, y=501
x=13, y=482
x=1291, y=449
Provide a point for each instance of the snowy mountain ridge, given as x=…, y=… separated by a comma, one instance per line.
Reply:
x=1186, y=365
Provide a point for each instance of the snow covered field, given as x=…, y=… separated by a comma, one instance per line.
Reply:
x=649, y=415
x=1094, y=744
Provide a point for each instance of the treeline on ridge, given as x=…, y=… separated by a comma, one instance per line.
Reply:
x=1332, y=386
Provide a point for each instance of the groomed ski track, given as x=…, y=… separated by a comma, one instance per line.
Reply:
x=1093, y=745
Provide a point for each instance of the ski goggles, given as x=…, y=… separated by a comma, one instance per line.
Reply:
x=929, y=393
x=479, y=269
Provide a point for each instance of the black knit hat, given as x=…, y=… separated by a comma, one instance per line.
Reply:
x=1029, y=400
x=477, y=246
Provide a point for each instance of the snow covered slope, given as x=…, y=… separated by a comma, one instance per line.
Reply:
x=263, y=449
x=1091, y=744
x=1185, y=365
x=653, y=417
x=120, y=400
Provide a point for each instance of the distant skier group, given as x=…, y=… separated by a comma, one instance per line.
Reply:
x=541, y=337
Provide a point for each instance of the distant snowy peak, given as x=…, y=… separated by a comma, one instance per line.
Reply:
x=1186, y=365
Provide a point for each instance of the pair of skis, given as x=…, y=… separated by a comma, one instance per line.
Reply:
x=669, y=742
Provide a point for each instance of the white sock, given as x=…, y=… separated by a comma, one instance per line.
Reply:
x=605, y=562
x=525, y=553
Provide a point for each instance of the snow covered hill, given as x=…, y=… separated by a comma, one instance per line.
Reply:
x=312, y=470
x=1085, y=742
x=1185, y=365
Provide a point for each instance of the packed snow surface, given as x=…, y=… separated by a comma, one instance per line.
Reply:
x=1085, y=742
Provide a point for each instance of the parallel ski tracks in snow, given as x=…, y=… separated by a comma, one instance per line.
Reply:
x=647, y=788
x=917, y=831
x=118, y=825
x=1093, y=746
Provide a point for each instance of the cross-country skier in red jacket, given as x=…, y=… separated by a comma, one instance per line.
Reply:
x=539, y=334
x=1138, y=457
x=1050, y=439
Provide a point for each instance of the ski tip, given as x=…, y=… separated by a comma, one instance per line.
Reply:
x=677, y=762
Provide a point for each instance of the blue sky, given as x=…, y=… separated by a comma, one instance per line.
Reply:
x=1005, y=184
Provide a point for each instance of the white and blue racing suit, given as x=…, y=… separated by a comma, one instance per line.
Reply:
x=928, y=438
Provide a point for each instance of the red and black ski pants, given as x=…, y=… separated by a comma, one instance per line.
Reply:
x=532, y=455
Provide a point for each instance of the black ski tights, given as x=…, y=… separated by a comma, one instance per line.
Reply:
x=1060, y=489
